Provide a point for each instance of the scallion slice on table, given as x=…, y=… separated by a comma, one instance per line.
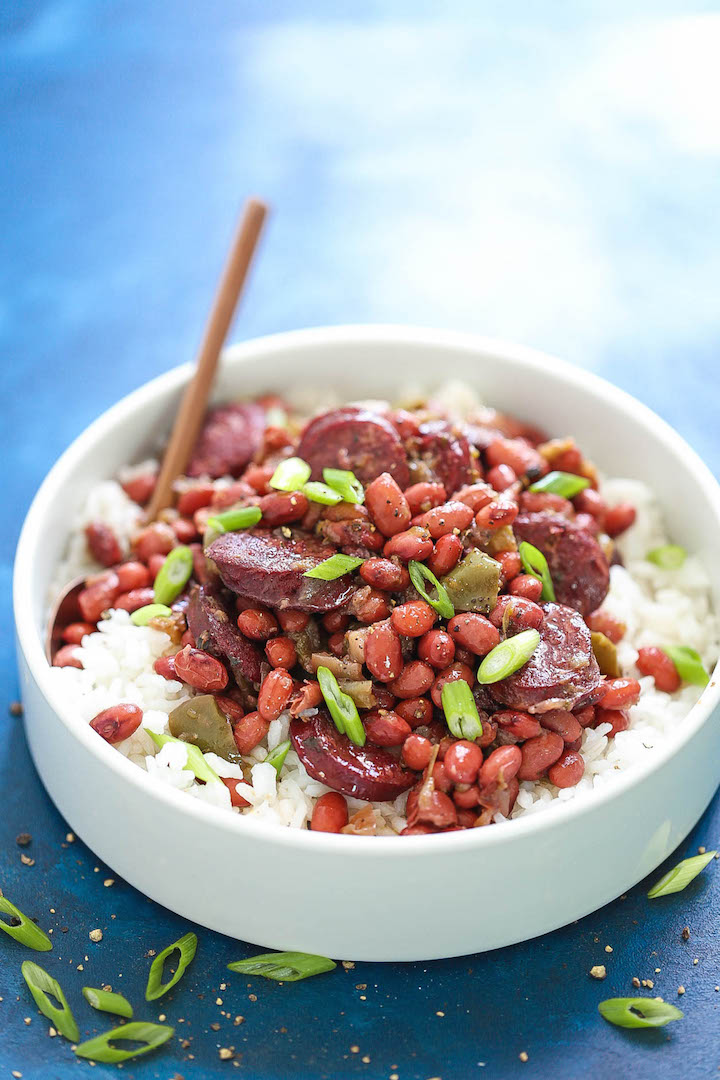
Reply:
x=41, y=984
x=638, y=1012
x=668, y=556
x=290, y=474
x=321, y=493
x=173, y=575
x=101, y=1049
x=535, y=563
x=508, y=657
x=143, y=615
x=107, y=1001
x=232, y=520
x=461, y=711
x=196, y=763
x=681, y=875
x=561, y=483
x=186, y=946
x=276, y=757
x=284, y=966
x=334, y=567
x=346, y=483
x=419, y=574
x=688, y=664
x=26, y=932
x=341, y=707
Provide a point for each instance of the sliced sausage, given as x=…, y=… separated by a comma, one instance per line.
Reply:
x=356, y=439
x=577, y=563
x=445, y=454
x=212, y=623
x=229, y=440
x=562, y=673
x=270, y=569
x=365, y=772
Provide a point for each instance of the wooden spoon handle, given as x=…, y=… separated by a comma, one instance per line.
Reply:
x=194, y=402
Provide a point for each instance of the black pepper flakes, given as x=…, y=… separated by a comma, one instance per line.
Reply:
x=16, y=708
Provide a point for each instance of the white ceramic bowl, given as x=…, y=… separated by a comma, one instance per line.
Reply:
x=356, y=897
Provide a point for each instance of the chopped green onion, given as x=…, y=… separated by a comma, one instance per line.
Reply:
x=668, y=556
x=346, y=483
x=276, y=757
x=461, y=711
x=196, y=763
x=508, y=656
x=101, y=1049
x=105, y=1001
x=26, y=932
x=41, y=984
x=284, y=966
x=173, y=575
x=334, y=567
x=186, y=946
x=681, y=875
x=321, y=493
x=232, y=520
x=290, y=474
x=535, y=563
x=143, y=615
x=566, y=484
x=638, y=1012
x=688, y=663
x=442, y=603
x=341, y=706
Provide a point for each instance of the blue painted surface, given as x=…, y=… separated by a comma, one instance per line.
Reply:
x=539, y=172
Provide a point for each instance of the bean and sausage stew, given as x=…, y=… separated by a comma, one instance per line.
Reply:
x=420, y=595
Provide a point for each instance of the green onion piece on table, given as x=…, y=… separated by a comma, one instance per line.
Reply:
x=681, y=875
x=196, y=763
x=346, y=483
x=276, y=757
x=173, y=575
x=232, y=520
x=334, y=567
x=284, y=966
x=186, y=946
x=41, y=984
x=419, y=574
x=561, y=483
x=638, y=1012
x=535, y=563
x=290, y=474
x=107, y=1001
x=688, y=664
x=508, y=657
x=26, y=932
x=668, y=556
x=321, y=493
x=341, y=707
x=101, y=1049
x=461, y=711
x=143, y=615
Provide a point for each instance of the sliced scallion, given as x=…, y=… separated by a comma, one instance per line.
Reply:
x=101, y=1049
x=26, y=932
x=276, y=757
x=681, y=875
x=667, y=556
x=341, y=707
x=173, y=575
x=107, y=1001
x=334, y=567
x=41, y=984
x=688, y=664
x=196, y=763
x=284, y=966
x=143, y=615
x=461, y=711
x=419, y=574
x=535, y=563
x=232, y=520
x=638, y=1012
x=321, y=493
x=561, y=483
x=346, y=483
x=290, y=474
x=186, y=946
x=508, y=656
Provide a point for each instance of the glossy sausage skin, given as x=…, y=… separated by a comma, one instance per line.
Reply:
x=210, y=619
x=577, y=563
x=228, y=441
x=445, y=453
x=356, y=439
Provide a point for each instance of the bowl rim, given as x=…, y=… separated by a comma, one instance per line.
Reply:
x=31, y=644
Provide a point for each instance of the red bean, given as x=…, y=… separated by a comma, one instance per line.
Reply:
x=335, y=621
x=155, y=564
x=140, y=487
x=136, y=598
x=330, y=813
x=618, y=718
x=496, y=514
x=406, y=423
x=567, y=770
x=383, y=652
x=98, y=595
x=387, y=505
x=604, y=623
x=655, y=662
x=414, y=681
x=473, y=632
x=103, y=543
x=230, y=708
x=67, y=656
x=292, y=622
x=188, y=638
x=526, y=585
x=440, y=810
x=520, y=725
x=281, y=652
x=466, y=820
x=283, y=507
x=423, y=496
x=414, y=618
x=165, y=666
x=585, y=716
x=250, y=732
x=516, y=453
x=415, y=711
x=386, y=728
x=308, y=696
x=539, y=754
x=511, y=564
x=476, y=496
x=117, y=723
x=199, y=669
x=563, y=723
x=369, y=606
x=132, y=575
x=501, y=477
x=257, y=476
x=591, y=502
x=620, y=693
x=437, y=648
x=462, y=762
x=521, y=614
x=385, y=698
x=441, y=780
x=416, y=752
x=155, y=539
x=450, y=517
x=185, y=530
x=414, y=543
x=224, y=497
x=236, y=798
x=275, y=693
x=453, y=673
x=76, y=631
x=257, y=624
x=619, y=518
x=568, y=459
x=446, y=555
x=195, y=498
x=384, y=574
x=466, y=796
x=202, y=516
x=500, y=766
x=417, y=830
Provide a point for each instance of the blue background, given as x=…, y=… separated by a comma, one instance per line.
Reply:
x=543, y=172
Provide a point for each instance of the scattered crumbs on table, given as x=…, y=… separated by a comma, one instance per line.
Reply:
x=354, y=1049
x=70, y=838
x=162, y=1018
x=696, y=961
x=214, y=1026
x=108, y=882
x=107, y=988
x=523, y=1055
x=23, y=839
x=17, y=1074
x=366, y=1059
x=218, y=1001
x=252, y=997
x=64, y=929
x=223, y=986
x=348, y=965
x=225, y=1054
x=238, y=1020
x=15, y=709
x=363, y=997
x=685, y=935
x=52, y=1032
x=608, y=948
x=439, y=1013
x=681, y=991
x=80, y=967
x=361, y=986
x=598, y=971
x=701, y=851
x=96, y=935
x=394, y=1076
x=27, y=1020
x=717, y=989
x=96, y=869
x=150, y=952
x=624, y=896
x=648, y=983
x=26, y=860
x=657, y=971
x=185, y=1044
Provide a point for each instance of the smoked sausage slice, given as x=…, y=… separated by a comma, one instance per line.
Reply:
x=577, y=563
x=229, y=440
x=356, y=439
x=212, y=623
x=446, y=455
